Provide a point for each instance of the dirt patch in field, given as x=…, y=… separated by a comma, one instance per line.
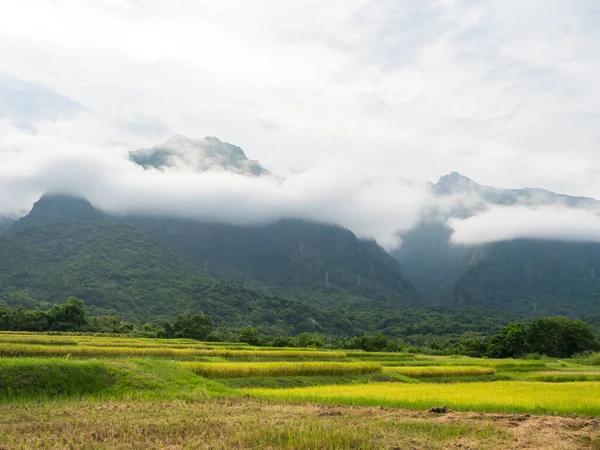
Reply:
x=539, y=432
x=527, y=431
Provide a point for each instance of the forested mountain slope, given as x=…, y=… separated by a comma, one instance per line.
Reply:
x=117, y=269
x=524, y=277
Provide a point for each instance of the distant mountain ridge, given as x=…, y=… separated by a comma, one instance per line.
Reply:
x=455, y=183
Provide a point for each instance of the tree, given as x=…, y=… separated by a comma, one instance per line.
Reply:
x=552, y=336
x=68, y=317
x=193, y=326
x=282, y=341
x=560, y=337
x=309, y=340
x=512, y=340
x=470, y=346
x=248, y=335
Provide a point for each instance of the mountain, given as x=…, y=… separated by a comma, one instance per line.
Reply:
x=59, y=208
x=455, y=183
x=117, y=269
x=288, y=256
x=524, y=276
x=198, y=155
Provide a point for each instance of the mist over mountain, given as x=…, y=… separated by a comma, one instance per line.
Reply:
x=454, y=242
x=286, y=277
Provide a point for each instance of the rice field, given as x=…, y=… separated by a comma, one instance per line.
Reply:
x=501, y=396
x=52, y=350
x=279, y=369
x=70, y=369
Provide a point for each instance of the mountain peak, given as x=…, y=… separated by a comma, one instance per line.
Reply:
x=454, y=182
x=53, y=207
x=181, y=153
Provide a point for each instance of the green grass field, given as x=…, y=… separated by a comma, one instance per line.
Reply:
x=278, y=369
x=280, y=398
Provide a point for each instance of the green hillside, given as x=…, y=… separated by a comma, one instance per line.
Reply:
x=117, y=269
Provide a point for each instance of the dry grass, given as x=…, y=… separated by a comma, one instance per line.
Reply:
x=231, y=424
x=251, y=424
x=279, y=369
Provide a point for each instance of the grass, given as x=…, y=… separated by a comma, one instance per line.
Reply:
x=589, y=360
x=502, y=396
x=505, y=365
x=42, y=378
x=305, y=381
x=440, y=371
x=279, y=369
x=233, y=423
x=566, y=377
x=25, y=379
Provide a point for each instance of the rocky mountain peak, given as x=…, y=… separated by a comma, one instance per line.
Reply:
x=181, y=153
x=453, y=183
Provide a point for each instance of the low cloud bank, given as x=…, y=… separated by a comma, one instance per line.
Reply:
x=371, y=206
x=81, y=158
x=506, y=223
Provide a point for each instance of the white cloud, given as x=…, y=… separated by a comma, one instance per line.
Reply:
x=413, y=88
x=341, y=195
x=506, y=223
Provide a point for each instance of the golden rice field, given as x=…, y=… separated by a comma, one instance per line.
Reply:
x=13, y=350
x=280, y=369
x=502, y=396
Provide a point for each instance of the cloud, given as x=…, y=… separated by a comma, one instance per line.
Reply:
x=369, y=203
x=343, y=98
x=144, y=125
x=415, y=89
x=340, y=195
x=506, y=223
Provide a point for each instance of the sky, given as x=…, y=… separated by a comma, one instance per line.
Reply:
x=362, y=92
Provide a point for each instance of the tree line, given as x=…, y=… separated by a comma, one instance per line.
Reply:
x=550, y=336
